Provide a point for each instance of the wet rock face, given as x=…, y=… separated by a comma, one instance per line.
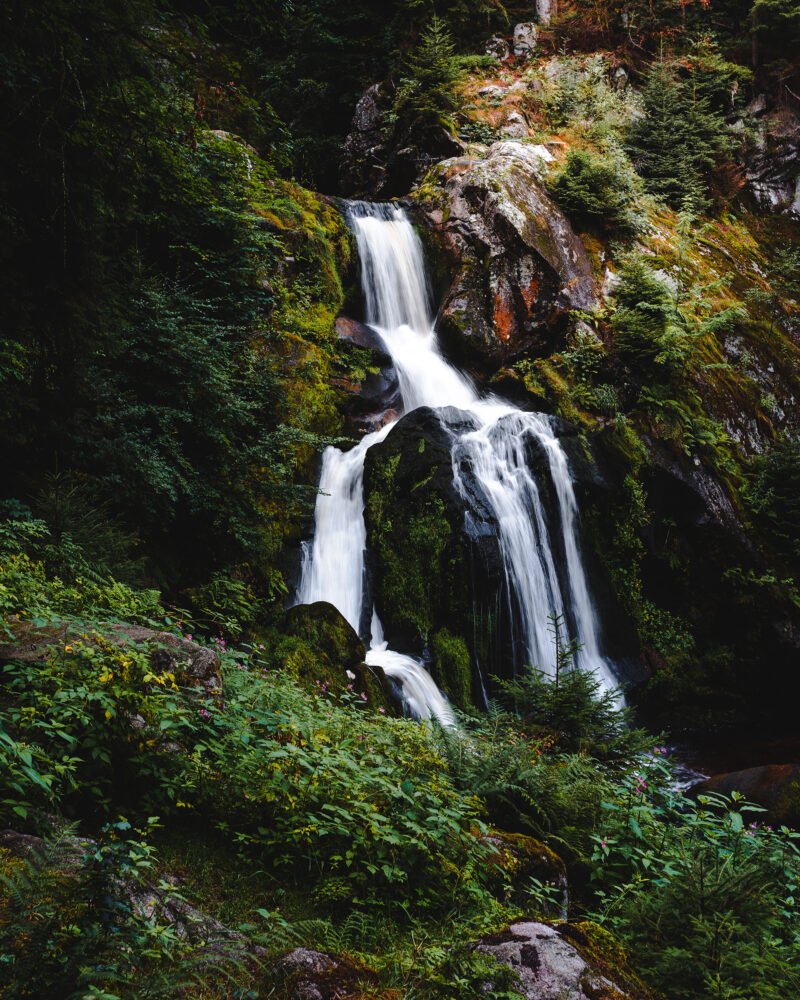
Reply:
x=374, y=400
x=519, y=267
x=773, y=168
x=549, y=966
x=418, y=561
x=320, y=649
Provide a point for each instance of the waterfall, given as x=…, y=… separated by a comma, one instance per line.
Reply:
x=496, y=453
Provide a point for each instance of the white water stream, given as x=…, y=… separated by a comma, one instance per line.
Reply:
x=497, y=453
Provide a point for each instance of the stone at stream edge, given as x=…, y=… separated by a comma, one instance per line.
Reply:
x=316, y=645
x=776, y=787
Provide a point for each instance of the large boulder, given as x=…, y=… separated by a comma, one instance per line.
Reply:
x=567, y=962
x=316, y=645
x=419, y=558
x=518, y=266
x=436, y=571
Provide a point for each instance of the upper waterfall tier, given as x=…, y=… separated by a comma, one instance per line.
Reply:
x=544, y=574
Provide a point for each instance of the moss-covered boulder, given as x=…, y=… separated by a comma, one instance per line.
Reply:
x=304, y=974
x=435, y=573
x=451, y=666
x=515, y=860
x=321, y=650
x=581, y=961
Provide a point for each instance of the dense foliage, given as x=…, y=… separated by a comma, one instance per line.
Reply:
x=370, y=816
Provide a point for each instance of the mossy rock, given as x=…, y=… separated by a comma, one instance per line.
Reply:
x=323, y=627
x=413, y=526
x=451, y=667
x=317, y=646
x=513, y=859
x=314, y=975
x=603, y=952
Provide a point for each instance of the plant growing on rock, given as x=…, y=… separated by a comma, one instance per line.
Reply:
x=597, y=190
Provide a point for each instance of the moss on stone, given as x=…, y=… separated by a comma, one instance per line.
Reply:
x=603, y=952
x=451, y=667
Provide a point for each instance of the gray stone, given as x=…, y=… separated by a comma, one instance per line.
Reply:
x=525, y=35
x=498, y=47
x=549, y=967
x=515, y=126
x=492, y=92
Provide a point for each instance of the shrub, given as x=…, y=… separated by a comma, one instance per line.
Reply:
x=702, y=892
x=596, y=191
x=773, y=494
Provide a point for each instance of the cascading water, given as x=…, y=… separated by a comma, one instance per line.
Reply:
x=497, y=454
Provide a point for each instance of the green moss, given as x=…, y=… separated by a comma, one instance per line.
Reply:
x=604, y=952
x=452, y=667
x=514, y=859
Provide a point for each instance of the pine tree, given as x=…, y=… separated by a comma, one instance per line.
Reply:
x=679, y=139
x=425, y=97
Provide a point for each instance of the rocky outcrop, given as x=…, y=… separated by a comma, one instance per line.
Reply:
x=518, y=265
x=193, y=665
x=562, y=963
x=773, y=166
x=776, y=787
x=376, y=164
x=372, y=400
x=436, y=571
x=363, y=164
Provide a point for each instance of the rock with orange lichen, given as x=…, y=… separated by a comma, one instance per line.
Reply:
x=519, y=267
